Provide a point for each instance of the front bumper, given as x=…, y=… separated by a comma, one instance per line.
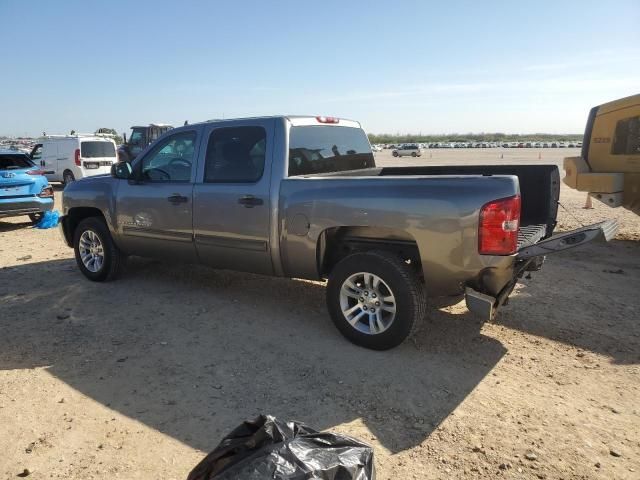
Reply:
x=24, y=206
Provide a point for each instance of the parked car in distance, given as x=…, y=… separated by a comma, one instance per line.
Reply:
x=376, y=148
x=24, y=190
x=407, y=150
x=66, y=158
x=301, y=197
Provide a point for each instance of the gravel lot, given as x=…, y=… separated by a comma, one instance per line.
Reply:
x=140, y=377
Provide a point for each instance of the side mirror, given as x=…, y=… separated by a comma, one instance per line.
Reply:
x=124, y=137
x=121, y=170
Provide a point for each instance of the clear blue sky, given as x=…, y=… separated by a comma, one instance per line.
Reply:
x=397, y=66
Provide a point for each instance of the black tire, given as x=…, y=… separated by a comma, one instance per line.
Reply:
x=36, y=217
x=401, y=280
x=414, y=154
x=68, y=177
x=395, y=154
x=114, y=259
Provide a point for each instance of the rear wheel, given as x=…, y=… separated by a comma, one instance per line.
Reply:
x=414, y=154
x=395, y=154
x=68, y=177
x=97, y=256
x=374, y=299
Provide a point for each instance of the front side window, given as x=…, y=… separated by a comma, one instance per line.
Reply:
x=137, y=137
x=324, y=149
x=235, y=155
x=171, y=160
x=627, y=137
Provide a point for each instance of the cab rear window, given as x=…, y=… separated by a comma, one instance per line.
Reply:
x=97, y=149
x=315, y=150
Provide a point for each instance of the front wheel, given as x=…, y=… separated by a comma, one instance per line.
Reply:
x=395, y=154
x=414, y=154
x=374, y=299
x=97, y=256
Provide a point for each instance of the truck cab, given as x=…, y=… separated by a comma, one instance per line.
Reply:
x=609, y=165
x=139, y=139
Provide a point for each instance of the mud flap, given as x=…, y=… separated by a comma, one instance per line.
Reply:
x=562, y=241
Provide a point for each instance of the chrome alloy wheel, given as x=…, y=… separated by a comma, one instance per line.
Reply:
x=367, y=303
x=91, y=251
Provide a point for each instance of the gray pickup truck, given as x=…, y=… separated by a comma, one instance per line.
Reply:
x=301, y=197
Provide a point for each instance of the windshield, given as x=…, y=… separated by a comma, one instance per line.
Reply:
x=14, y=162
x=137, y=137
x=96, y=149
x=325, y=149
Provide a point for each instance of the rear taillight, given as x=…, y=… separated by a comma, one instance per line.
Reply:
x=77, y=156
x=35, y=172
x=321, y=119
x=498, y=228
x=46, y=192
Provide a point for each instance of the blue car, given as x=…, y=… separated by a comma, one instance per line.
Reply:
x=24, y=190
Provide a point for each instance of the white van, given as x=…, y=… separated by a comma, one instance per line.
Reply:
x=66, y=158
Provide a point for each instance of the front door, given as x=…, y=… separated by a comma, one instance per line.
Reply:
x=231, y=211
x=154, y=212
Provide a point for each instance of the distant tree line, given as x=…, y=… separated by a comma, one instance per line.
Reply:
x=472, y=137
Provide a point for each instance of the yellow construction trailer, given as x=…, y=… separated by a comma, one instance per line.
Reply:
x=609, y=165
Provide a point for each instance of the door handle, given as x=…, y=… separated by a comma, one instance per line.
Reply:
x=176, y=198
x=249, y=201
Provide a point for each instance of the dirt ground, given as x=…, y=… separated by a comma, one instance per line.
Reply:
x=139, y=378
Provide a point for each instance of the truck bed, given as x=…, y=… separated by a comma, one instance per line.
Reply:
x=539, y=189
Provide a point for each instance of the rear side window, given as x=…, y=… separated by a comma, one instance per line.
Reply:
x=235, y=155
x=324, y=149
x=627, y=137
x=91, y=149
x=14, y=162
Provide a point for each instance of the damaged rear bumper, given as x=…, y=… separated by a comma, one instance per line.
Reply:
x=480, y=304
x=530, y=258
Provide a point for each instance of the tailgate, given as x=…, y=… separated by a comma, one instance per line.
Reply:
x=16, y=189
x=562, y=241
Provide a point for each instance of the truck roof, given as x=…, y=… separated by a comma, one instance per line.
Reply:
x=298, y=120
x=79, y=136
x=153, y=125
x=618, y=104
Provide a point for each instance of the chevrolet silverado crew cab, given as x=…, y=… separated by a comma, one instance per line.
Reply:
x=301, y=197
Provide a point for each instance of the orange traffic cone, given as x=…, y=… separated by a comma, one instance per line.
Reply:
x=587, y=203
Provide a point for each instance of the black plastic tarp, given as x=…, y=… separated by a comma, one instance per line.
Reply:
x=267, y=448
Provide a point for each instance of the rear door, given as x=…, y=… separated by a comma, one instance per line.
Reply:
x=154, y=212
x=97, y=156
x=231, y=212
